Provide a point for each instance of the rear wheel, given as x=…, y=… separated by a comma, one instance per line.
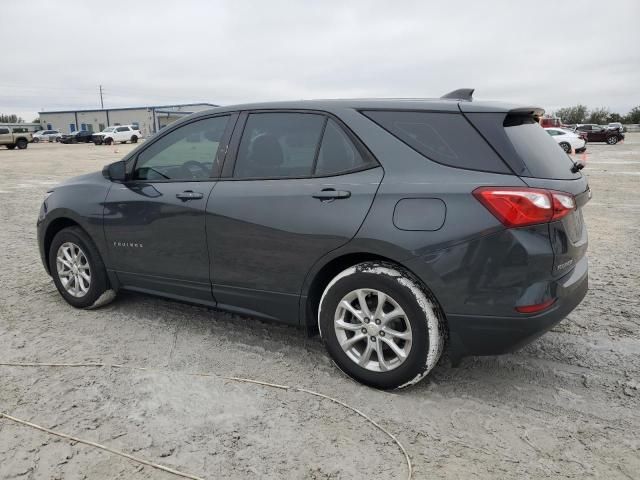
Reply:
x=566, y=147
x=612, y=140
x=21, y=143
x=11, y=147
x=76, y=268
x=134, y=139
x=380, y=326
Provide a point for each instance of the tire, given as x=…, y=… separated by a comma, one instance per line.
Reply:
x=21, y=143
x=108, y=141
x=97, y=142
x=11, y=147
x=612, y=140
x=134, y=139
x=98, y=283
x=36, y=140
x=57, y=139
x=421, y=325
x=566, y=147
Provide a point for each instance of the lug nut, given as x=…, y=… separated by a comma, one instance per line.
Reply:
x=363, y=330
x=366, y=320
x=378, y=322
x=373, y=339
x=382, y=334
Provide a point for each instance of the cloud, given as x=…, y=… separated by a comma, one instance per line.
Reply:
x=153, y=52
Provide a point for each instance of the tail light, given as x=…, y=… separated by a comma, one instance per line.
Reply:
x=535, y=308
x=518, y=207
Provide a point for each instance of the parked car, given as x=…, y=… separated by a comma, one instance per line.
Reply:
x=568, y=140
x=120, y=133
x=47, y=135
x=79, y=136
x=388, y=225
x=596, y=133
x=616, y=126
x=12, y=137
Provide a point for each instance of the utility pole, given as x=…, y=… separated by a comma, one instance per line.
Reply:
x=101, y=102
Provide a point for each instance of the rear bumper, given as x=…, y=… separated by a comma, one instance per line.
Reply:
x=489, y=335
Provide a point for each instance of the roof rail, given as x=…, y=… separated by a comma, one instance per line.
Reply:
x=460, y=94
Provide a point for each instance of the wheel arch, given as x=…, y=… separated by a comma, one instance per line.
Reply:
x=323, y=275
x=53, y=228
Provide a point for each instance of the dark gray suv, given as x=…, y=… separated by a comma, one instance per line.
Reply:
x=395, y=226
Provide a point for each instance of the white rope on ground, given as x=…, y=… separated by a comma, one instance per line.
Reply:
x=97, y=445
x=193, y=374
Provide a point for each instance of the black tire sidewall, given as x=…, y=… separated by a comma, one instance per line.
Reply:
x=612, y=140
x=417, y=359
x=566, y=147
x=99, y=282
x=21, y=144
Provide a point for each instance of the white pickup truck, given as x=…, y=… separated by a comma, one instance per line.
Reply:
x=13, y=137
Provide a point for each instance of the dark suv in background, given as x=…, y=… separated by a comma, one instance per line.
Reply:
x=596, y=133
x=393, y=226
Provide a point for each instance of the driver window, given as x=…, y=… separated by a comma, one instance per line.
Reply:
x=187, y=153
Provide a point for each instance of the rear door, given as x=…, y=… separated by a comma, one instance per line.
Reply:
x=155, y=223
x=295, y=186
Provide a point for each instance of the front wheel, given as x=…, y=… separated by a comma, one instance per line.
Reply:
x=36, y=140
x=76, y=268
x=134, y=139
x=108, y=141
x=566, y=147
x=380, y=325
x=612, y=140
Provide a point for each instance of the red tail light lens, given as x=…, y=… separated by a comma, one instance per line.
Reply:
x=518, y=207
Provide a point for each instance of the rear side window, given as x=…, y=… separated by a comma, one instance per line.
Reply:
x=541, y=154
x=278, y=145
x=4, y=130
x=446, y=138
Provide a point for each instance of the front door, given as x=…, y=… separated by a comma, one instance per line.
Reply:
x=155, y=223
x=300, y=187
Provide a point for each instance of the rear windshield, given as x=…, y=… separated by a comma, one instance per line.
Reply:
x=538, y=150
x=446, y=138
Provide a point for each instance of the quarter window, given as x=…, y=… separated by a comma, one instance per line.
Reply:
x=278, y=145
x=187, y=153
x=337, y=153
x=4, y=131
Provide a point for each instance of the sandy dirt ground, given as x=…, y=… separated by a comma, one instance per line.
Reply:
x=566, y=406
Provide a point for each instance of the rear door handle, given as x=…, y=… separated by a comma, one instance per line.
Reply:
x=189, y=195
x=331, y=194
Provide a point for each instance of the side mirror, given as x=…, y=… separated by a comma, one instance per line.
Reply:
x=116, y=172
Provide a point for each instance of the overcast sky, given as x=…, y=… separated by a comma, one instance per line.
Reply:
x=548, y=53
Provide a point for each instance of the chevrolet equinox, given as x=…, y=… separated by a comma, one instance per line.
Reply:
x=394, y=227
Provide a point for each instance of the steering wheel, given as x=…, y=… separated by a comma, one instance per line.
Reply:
x=195, y=169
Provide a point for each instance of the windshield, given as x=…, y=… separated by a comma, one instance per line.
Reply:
x=109, y=129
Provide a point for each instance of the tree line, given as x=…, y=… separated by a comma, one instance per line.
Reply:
x=10, y=118
x=600, y=116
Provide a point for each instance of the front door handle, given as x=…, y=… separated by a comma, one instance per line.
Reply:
x=331, y=194
x=189, y=195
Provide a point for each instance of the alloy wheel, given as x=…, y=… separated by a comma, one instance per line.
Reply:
x=73, y=268
x=373, y=330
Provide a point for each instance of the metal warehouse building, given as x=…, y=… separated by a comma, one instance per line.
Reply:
x=148, y=119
